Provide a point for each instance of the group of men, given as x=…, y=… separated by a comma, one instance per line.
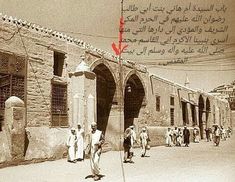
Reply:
x=130, y=139
x=95, y=140
x=177, y=136
x=75, y=144
x=218, y=133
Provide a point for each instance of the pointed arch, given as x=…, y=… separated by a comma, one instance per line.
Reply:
x=105, y=92
x=134, y=97
x=200, y=114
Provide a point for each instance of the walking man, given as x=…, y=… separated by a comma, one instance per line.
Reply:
x=168, y=137
x=217, y=134
x=95, y=139
x=71, y=144
x=144, y=138
x=174, y=137
x=207, y=130
x=180, y=137
x=80, y=142
x=127, y=146
x=186, y=133
x=133, y=139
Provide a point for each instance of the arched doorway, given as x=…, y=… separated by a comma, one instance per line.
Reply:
x=200, y=112
x=133, y=99
x=105, y=90
x=208, y=110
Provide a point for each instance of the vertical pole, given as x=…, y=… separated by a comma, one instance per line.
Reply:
x=121, y=104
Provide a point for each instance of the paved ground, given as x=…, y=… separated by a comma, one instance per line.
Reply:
x=198, y=163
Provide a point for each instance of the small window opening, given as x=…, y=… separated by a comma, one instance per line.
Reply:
x=58, y=63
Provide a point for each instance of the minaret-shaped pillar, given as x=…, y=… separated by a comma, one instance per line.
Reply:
x=83, y=93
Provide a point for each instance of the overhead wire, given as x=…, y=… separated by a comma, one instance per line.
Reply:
x=33, y=70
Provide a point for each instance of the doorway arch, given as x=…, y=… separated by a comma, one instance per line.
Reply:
x=105, y=91
x=200, y=113
x=133, y=99
x=208, y=110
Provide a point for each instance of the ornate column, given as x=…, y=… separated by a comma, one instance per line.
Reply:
x=83, y=85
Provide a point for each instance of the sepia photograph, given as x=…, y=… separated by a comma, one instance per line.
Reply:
x=117, y=90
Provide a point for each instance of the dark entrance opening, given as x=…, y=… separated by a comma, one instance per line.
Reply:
x=208, y=110
x=105, y=90
x=133, y=99
x=184, y=113
x=193, y=111
x=200, y=112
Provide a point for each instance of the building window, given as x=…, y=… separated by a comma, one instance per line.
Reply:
x=172, y=116
x=172, y=101
x=58, y=63
x=59, y=105
x=157, y=103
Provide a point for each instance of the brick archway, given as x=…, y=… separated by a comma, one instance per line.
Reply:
x=133, y=99
x=200, y=114
x=105, y=91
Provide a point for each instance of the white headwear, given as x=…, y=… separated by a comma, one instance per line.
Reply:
x=93, y=124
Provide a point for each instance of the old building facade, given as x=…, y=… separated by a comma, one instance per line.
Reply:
x=50, y=82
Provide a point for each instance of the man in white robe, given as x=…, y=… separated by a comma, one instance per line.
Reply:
x=168, y=137
x=133, y=139
x=71, y=143
x=80, y=143
x=95, y=141
x=144, y=138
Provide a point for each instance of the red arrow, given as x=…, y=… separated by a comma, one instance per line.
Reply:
x=119, y=49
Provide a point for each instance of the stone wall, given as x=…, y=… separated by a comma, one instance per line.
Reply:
x=37, y=45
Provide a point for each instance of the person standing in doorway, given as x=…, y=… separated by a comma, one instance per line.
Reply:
x=80, y=143
x=186, y=134
x=95, y=142
x=71, y=144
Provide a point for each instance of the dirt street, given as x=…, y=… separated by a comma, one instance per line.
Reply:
x=197, y=163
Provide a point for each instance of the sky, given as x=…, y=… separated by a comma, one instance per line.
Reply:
x=97, y=22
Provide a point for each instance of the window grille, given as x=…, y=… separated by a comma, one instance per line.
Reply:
x=172, y=116
x=59, y=105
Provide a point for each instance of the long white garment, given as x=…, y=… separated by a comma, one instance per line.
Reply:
x=180, y=138
x=72, y=139
x=196, y=136
x=95, y=152
x=168, y=137
x=223, y=134
x=133, y=137
x=144, y=142
x=80, y=144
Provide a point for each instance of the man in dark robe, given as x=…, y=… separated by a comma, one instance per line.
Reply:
x=186, y=134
